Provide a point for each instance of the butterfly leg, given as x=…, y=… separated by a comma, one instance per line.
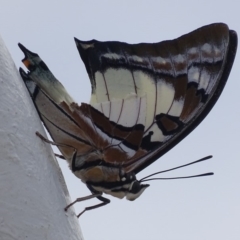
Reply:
x=56, y=144
x=104, y=200
x=82, y=199
x=97, y=195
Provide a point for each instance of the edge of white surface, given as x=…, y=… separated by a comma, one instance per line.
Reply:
x=33, y=193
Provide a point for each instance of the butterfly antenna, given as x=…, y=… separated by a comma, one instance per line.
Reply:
x=185, y=165
x=193, y=176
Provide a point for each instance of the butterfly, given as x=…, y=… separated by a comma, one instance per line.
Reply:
x=145, y=99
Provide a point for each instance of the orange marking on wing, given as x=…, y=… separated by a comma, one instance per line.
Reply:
x=26, y=63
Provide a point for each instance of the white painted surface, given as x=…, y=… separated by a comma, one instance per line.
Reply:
x=33, y=193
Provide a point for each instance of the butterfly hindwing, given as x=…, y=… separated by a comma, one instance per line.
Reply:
x=114, y=128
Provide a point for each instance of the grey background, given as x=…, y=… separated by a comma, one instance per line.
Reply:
x=205, y=208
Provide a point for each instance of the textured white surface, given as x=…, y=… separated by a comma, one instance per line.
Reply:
x=33, y=193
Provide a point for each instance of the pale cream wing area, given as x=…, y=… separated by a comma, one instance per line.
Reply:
x=181, y=79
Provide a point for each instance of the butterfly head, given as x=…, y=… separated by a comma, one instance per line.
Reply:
x=134, y=187
x=135, y=190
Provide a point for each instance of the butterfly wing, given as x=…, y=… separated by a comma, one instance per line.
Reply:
x=180, y=79
x=94, y=133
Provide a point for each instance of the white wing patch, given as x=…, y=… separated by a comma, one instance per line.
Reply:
x=126, y=112
x=142, y=110
x=112, y=56
x=178, y=59
x=165, y=96
x=160, y=60
x=218, y=54
x=136, y=58
x=146, y=85
x=116, y=110
x=86, y=45
x=193, y=74
x=130, y=111
x=207, y=54
x=106, y=108
x=176, y=108
x=193, y=53
x=204, y=79
x=101, y=93
x=119, y=83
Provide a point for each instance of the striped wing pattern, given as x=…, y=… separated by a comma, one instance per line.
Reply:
x=87, y=128
x=145, y=97
x=181, y=80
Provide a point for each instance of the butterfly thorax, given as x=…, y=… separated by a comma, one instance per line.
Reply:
x=108, y=178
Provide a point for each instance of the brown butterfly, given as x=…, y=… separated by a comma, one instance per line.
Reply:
x=145, y=99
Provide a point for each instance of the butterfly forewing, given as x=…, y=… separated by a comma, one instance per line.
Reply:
x=181, y=80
